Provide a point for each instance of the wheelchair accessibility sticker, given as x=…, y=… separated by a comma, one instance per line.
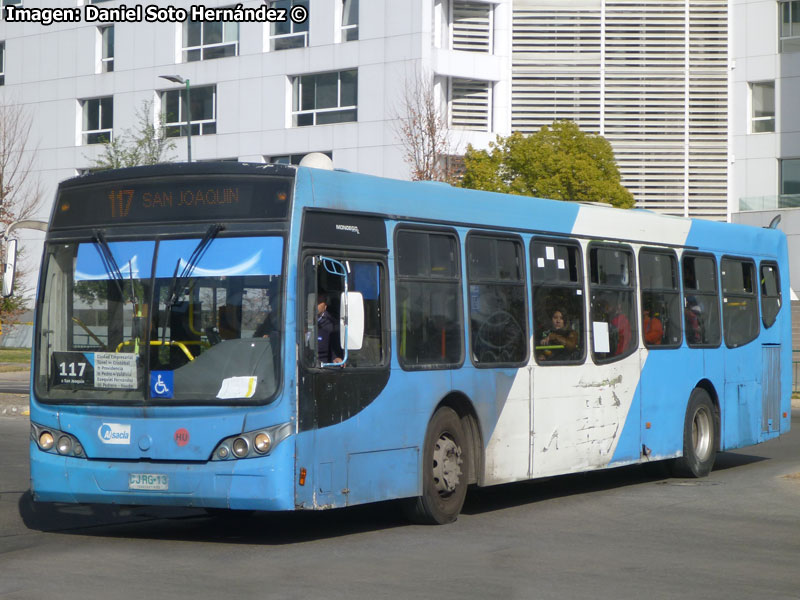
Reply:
x=161, y=384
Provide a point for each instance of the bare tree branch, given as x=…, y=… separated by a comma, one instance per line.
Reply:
x=20, y=190
x=422, y=128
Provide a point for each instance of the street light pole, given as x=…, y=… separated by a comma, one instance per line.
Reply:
x=179, y=79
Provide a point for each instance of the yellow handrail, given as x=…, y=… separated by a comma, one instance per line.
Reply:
x=181, y=345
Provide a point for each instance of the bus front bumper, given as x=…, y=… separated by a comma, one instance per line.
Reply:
x=265, y=483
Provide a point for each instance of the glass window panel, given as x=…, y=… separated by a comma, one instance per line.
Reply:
x=106, y=113
x=327, y=92
x=91, y=116
x=764, y=99
x=212, y=32
x=230, y=31
x=349, y=88
x=658, y=271
x=443, y=256
x=308, y=91
x=482, y=258
x=429, y=323
x=412, y=254
x=192, y=33
x=350, y=12
x=790, y=176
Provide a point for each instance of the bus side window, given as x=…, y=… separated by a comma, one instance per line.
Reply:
x=661, y=309
x=701, y=301
x=429, y=307
x=497, y=312
x=558, y=302
x=770, y=293
x=613, y=303
x=739, y=301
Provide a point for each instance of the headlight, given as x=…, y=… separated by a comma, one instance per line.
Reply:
x=240, y=447
x=64, y=445
x=252, y=444
x=46, y=440
x=262, y=443
x=67, y=444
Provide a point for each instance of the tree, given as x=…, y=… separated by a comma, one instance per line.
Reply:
x=423, y=132
x=146, y=144
x=560, y=162
x=20, y=193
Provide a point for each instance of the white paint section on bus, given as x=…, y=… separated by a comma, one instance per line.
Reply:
x=635, y=225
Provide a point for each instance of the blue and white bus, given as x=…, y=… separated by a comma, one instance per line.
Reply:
x=482, y=339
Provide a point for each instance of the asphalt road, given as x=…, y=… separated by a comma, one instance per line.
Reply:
x=626, y=533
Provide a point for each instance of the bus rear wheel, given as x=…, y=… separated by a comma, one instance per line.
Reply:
x=444, y=473
x=699, y=437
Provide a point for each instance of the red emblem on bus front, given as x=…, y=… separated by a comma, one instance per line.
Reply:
x=182, y=437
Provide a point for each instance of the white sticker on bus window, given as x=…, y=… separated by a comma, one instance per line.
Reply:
x=600, y=336
x=540, y=262
x=550, y=252
x=115, y=370
x=561, y=264
x=237, y=387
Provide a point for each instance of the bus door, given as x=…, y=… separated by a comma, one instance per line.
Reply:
x=341, y=373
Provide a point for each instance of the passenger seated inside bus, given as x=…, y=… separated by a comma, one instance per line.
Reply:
x=693, y=313
x=619, y=326
x=558, y=341
x=652, y=327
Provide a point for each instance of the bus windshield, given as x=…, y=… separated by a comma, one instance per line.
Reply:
x=178, y=321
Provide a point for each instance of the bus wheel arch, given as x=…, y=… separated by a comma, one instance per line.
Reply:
x=701, y=431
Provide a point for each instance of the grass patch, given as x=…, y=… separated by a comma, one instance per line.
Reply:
x=21, y=356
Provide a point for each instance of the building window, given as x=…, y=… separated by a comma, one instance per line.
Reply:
x=288, y=34
x=2, y=63
x=98, y=120
x=204, y=111
x=325, y=98
x=12, y=2
x=470, y=104
x=472, y=25
x=293, y=159
x=430, y=320
x=498, y=315
x=762, y=102
x=790, y=176
x=106, y=48
x=204, y=40
x=349, y=20
x=790, y=26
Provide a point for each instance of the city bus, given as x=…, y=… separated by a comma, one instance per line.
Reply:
x=268, y=337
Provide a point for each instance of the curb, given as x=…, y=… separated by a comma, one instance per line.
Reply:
x=15, y=411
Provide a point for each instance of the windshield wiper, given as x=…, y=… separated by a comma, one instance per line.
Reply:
x=109, y=263
x=179, y=282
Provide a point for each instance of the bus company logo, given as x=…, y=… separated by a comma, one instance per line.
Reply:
x=114, y=433
x=350, y=228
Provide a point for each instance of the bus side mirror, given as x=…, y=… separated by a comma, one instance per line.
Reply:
x=351, y=321
x=10, y=268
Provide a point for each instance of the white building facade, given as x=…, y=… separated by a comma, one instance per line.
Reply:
x=650, y=75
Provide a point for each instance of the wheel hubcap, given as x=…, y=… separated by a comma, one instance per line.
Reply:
x=702, y=433
x=446, y=465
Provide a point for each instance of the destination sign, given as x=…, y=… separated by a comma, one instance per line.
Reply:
x=184, y=199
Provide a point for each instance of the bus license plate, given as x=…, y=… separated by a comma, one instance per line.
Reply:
x=147, y=481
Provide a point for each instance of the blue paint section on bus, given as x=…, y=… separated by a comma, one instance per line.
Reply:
x=356, y=192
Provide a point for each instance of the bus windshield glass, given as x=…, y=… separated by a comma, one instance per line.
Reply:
x=178, y=321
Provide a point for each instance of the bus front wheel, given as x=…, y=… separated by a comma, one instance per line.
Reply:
x=699, y=437
x=444, y=471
